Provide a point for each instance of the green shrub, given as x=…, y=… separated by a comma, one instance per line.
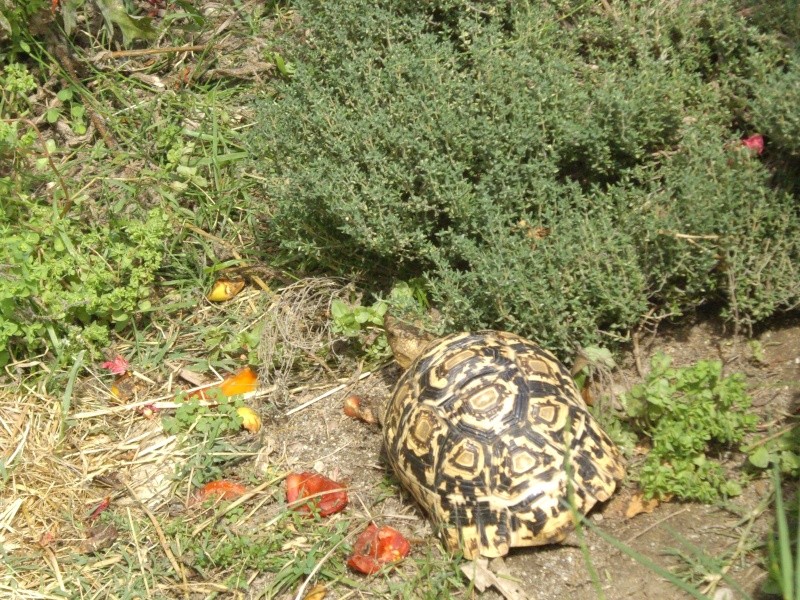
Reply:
x=547, y=168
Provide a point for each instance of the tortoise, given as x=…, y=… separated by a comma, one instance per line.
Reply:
x=490, y=435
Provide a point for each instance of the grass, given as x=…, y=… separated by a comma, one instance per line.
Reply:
x=159, y=540
x=67, y=443
x=784, y=553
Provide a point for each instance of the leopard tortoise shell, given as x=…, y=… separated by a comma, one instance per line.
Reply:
x=485, y=429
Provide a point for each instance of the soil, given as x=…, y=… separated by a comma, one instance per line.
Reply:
x=322, y=436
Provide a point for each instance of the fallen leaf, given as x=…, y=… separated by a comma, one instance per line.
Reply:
x=324, y=494
x=509, y=586
x=639, y=505
x=532, y=232
x=117, y=366
x=250, y=420
x=478, y=572
x=127, y=387
x=124, y=387
x=318, y=592
x=224, y=289
x=132, y=28
x=222, y=489
x=297, y=543
x=47, y=538
x=377, y=547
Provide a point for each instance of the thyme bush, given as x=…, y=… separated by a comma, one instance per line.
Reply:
x=549, y=168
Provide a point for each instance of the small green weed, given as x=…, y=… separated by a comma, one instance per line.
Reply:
x=687, y=412
x=433, y=576
x=409, y=298
x=350, y=320
x=364, y=324
x=206, y=429
x=698, y=567
x=291, y=549
x=15, y=18
x=782, y=450
x=68, y=282
x=72, y=107
x=16, y=82
x=285, y=68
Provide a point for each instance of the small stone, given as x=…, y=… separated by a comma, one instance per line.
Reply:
x=723, y=594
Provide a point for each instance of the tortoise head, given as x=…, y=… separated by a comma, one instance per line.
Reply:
x=406, y=341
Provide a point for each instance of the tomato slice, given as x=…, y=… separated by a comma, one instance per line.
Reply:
x=222, y=488
x=377, y=547
x=325, y=495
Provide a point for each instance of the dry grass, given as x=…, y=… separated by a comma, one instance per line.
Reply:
x=296, y=327
x=58, y=472
x=65, y=457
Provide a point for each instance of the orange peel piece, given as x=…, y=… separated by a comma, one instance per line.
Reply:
x=242, y=382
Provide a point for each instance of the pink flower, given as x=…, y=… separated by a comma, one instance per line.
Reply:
x=755, y=143
x=118, y=366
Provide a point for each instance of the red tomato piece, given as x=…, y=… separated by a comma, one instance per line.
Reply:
x=326, y=495
x=104, y=504
x=222, y=488
x=364, y=564
x=375, y=548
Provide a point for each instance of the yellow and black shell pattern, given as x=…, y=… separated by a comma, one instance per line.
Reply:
x=490, y=435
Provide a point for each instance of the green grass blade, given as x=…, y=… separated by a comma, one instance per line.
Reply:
x=66, y=399
x=797, y=554
x=710, y=564
x=784, y=544
x=577, y=518
x=646, y=562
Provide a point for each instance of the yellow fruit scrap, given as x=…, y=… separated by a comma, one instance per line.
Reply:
x=250, y=420
x=225, y=289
